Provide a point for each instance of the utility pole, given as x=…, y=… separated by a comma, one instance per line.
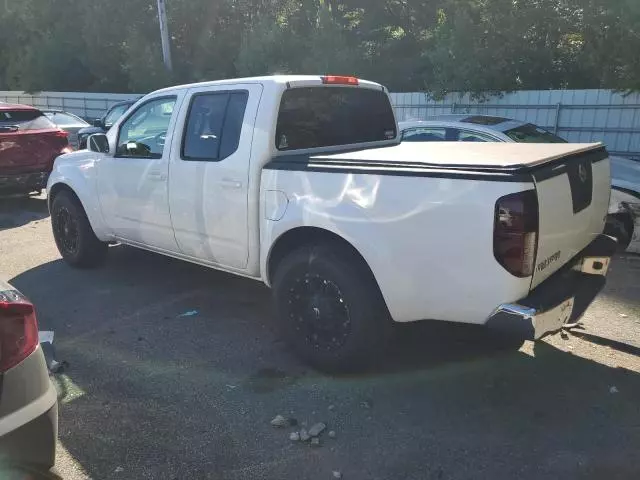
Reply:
x=164, y=35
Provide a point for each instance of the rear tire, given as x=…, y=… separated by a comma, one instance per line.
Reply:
x=73, y=234
x=330, y=309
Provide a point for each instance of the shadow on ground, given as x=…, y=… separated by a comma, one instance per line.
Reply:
x=18, y=211
x=155, y=390
x=625, y=274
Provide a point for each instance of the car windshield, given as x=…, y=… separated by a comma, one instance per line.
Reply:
x=531, y=133
x=313, y=117
x=113, y=116
x=63, y=119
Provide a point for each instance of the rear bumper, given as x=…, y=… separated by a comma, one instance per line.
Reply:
x=24, y=182
x=28, y=414
x=33, y=444
x=561, y=299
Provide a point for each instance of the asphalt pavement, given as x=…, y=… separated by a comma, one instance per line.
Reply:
x=175, y=372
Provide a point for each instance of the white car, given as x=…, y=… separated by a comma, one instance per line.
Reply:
x=624, y=208
x=301, y=182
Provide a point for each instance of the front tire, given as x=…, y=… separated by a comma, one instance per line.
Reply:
x=73, y=234
x=330, y=308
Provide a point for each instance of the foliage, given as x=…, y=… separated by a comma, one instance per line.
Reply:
x=436, y=45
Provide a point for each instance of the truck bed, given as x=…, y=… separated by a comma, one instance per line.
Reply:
x=439, y=199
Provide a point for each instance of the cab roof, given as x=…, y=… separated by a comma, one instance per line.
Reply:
x=290, y=80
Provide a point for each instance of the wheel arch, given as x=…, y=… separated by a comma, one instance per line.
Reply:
x=92, y=210
x=300, y=236
x=55, y=190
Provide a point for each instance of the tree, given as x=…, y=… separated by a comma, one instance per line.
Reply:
x=437, y=45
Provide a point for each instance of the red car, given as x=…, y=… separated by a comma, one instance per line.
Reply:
x=29, y=143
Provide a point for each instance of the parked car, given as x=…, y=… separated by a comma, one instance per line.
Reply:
x=301, y=182
x=103, y=124
x=28, y=399
x=624, y=209
x=68, y=122
x=29, y=143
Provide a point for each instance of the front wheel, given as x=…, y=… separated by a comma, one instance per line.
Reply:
x=330, y=308
x=73, y=234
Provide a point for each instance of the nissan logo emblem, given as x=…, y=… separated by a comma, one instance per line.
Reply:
x=582, y=173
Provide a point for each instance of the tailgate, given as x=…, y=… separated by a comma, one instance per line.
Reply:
x=573, y=198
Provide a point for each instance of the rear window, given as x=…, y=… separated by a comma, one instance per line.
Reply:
x=531, y=133
x=312, y=117
x=65, y=119
x=23, y=120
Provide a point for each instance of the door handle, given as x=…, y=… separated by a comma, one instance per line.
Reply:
x=159, y=176
x=228, y=183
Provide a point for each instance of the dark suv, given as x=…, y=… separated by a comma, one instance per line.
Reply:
x=102, y=125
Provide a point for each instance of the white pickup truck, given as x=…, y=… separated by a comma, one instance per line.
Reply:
x=300, y=182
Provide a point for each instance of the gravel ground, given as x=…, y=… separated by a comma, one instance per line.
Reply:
x=153, y=394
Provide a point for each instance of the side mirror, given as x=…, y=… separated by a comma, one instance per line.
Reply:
x=98, y=123
x=98, y=143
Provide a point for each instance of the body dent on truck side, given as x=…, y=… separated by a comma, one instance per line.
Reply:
x=444, y=222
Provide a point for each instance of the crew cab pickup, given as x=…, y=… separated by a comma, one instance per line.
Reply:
x=301, y=182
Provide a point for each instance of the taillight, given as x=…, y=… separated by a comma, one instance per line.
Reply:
x=62, y=137
x=515, y=232
x=18, y=330
x=339, y=80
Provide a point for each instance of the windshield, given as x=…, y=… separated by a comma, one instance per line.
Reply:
x=313, y=117
x=65, y=119
x=113, y=116
x=531, y=133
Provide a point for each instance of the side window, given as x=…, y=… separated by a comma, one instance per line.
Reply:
x=233, y=123
x=467, y=136
x=214, y=124
x=143, y=134
x=424, y=134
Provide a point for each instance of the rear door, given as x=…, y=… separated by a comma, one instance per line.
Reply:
x=29, y=141
x=573, y=199
x=209, y=173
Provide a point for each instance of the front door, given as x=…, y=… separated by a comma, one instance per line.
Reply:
x=133, y=179
x=209, y=173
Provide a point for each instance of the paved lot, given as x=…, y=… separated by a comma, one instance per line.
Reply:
x=151, y=394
